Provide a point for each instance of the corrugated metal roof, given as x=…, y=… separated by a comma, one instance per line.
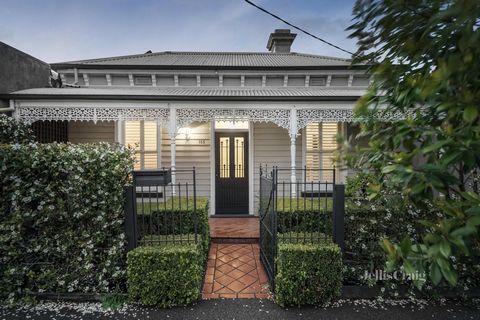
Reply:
x=197, y=92
x=217, y=59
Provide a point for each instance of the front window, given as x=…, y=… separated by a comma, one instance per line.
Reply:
x=321, y=144
x=143, y=136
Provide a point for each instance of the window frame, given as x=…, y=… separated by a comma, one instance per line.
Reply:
x=321, y=153
x=141, y=150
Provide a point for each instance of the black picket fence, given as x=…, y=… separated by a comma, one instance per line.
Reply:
x=162, y=208
x=298, y=211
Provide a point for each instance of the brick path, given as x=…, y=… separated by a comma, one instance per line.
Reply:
x=239, y=228
x=235, y=271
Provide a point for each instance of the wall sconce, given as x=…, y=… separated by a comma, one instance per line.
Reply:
x=186, y=131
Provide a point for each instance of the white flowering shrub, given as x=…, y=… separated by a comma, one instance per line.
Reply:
x=61, y=217
x=14, y=131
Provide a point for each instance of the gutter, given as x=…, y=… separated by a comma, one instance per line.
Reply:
x=11, y=108
x=62, y=66
x=177, y=98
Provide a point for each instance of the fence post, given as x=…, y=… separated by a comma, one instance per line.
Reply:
x=339, y=215
x=130, y=218
x=195, y=222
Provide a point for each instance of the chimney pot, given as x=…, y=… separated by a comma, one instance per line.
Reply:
x=280, y=41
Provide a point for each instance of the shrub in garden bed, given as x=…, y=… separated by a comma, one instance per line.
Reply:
x=308, y=274
x=61, y=222
x=367, y=222
x=174, y=220
x=165, y=276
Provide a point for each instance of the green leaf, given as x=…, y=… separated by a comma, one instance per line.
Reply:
x=390, y=168
x=435, y=146
x=435, y=273
x=445, y=249
x=470, y=113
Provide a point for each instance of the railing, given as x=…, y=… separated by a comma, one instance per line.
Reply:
x=298, y=211
x=159, y=212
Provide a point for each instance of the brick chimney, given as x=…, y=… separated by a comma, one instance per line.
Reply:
x=280, y=41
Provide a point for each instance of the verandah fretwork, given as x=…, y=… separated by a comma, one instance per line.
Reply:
x=280, y=117
x=306, y=116
x=32, y=114
x=187, y=115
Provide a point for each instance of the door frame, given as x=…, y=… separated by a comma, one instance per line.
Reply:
x=212, y=207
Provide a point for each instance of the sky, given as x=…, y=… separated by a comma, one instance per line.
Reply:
x=66, y=30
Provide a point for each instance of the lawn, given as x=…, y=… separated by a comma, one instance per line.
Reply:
x=175, y=203
x=304, y=204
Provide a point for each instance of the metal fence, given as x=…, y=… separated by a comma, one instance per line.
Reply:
x=162, y=210
x=298, y=211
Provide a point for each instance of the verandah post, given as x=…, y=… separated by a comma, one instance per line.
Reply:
x=173, y=135
x=293, y=149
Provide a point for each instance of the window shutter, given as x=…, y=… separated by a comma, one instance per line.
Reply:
x=146, y=146
x=320, y=147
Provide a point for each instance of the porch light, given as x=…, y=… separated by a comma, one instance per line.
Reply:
x=185, y=131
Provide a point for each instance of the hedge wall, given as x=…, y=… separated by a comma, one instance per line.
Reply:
x=61, y=222
x=172, y=221
x=14, y=131
x=308, y=273
x=165, y=276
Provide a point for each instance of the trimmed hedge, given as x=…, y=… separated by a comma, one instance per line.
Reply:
x=165, y=276
x=61, y=218
x=308, y=274
x=173, y=222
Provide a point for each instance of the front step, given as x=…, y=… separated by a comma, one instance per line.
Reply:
x=235, y=230
x=234, y=240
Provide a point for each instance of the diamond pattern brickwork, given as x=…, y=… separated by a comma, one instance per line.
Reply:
x=235, y=271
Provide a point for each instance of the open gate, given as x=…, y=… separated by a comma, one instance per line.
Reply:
x=310, y=212
x=268, y=223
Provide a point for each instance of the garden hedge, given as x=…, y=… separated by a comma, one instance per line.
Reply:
x=165, y=276
x=172, y=221
x=61, y=218
x=308, y=274
x=14, y=131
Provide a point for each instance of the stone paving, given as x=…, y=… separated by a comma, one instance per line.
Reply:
x=235, y=271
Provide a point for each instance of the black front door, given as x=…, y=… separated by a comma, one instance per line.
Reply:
x=231, y=172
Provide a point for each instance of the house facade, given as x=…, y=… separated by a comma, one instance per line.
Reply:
x=224, y=113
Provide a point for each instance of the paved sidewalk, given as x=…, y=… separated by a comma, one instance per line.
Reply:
x=235, y=271
x=240, y=309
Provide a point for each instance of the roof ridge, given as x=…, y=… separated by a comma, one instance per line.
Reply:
x=133, y=56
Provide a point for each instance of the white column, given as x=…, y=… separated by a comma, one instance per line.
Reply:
x=159, y=144
x=173, y=135
x=293, y=148
x=119, y=131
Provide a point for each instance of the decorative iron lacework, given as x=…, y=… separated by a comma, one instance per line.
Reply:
x=306, y=116
x=280, y=117
x=32, y=114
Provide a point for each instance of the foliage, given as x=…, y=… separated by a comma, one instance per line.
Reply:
x=305, y=221
x=424, y=61
x=388, y=216
x=172, y=223
x=165, y=276
x=308, y=273
x=13, y=131
x=61, y=222
x=114, y=301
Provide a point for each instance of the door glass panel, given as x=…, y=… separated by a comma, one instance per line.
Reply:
x=239, y=157
x=224, y=157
